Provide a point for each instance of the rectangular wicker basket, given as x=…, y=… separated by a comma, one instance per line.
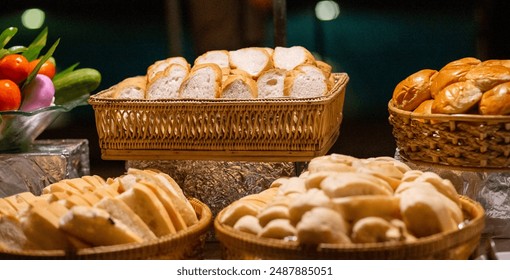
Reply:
x=281, y=129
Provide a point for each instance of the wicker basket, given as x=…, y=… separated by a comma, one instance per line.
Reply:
x=462, y=141
x=459, y=244
x=186, y=244
x=281, y=129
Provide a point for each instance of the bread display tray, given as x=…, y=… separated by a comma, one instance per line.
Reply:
x=219, y=129
x=186, y=244
x=458, y=140
x=459, y=244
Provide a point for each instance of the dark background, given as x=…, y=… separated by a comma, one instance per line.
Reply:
x=378, y=43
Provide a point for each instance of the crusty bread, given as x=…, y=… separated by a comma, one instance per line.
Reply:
x=496, y=101
x=465, y=61
x=290, y=58
x=375, y=229
x=96, y=227
x=161, y=65
x=249, y=224
x=413, y=90
x=203, y=82
x=354, y=208
x=148, y=207
x=487, y=77
x=271, y=83
x=322, y=225
x=425, y=107
x=305, y=81
x=325, y=67
x=457, y=98
x=252, y=60
x=131, y=88
x=447, y=76
x=219, y=57
x=41, y=227
x=11, y=234
x=166, y=84
x=239, y=86
x=121, y=211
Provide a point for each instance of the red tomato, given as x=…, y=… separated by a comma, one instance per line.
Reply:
x=10, y=95
x=14, y=67
x=47, y=69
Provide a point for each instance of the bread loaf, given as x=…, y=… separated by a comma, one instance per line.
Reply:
x=413, y=90
x=457, y=98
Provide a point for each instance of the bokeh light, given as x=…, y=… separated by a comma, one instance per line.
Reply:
x=327, y=10
x=33, y=18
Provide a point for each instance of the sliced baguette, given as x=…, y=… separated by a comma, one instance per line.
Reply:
x=161, y=65
x=252, y=60
x=12, y=236
x=203, y=82
x=166, y=84
x=305, y=81
x=290, y=58
x=239, y=86
x=41, y=227
x=219, y=57
x=131, y=88
x=271, y=83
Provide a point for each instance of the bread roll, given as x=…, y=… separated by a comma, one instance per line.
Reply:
x=252, y=60
x=236, y=211
x=203, y=82
x=322, y=225
x=375, y=229
x=248, y=224
x=279, y=229
x=166, y=84
x=501, y=62
x=457, y=98
x=353, y=184
x=354, y=208
x=486, y=77
x=425, y=107
x=131, y=88
x=290, y=58
x=305, y=202
x=465, y=61
x=271, y=213
x=496, y=101
x=447, y=76
x=413, y=90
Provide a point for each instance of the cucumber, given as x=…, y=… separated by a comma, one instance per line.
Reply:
x=75, y=84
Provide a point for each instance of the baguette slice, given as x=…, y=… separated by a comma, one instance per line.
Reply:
x=203, y=82
x=219, y=57
x=131, y=88
x=148, y=207
x=252, y=60
x=238, y=86
x=119, y=210
x=97, y=227
x=11, y=235
x=305, y=81
x=166, y=84
x=271, y=83
x=41, y=227
x=161, y=65
x=290, y=58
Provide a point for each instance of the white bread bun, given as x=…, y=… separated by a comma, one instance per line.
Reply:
x=219, y=57
x=166, y=84
x=252, y=60
x=279, y=229
x=203, y=82
x=131, y=88
x=121, y=211
x=496, y=101
x=239, y=86
x=353, y=184
x=457, y=98
x=413, y=90
x=375, y=229
x=273, y=212
x=248, y=224
x=354, y=208
x=305, y=81
x=96, y=227
x=271, y=83
x=322, y=225
x=290, y=58
x=161, y=65
x=305, y=202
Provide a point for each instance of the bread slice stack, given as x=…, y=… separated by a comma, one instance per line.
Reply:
x=140, y=206
x=246, y=73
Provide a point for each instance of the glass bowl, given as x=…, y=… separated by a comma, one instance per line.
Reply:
x=18, y=129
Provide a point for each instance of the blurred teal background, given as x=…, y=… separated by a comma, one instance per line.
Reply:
x=377, y=44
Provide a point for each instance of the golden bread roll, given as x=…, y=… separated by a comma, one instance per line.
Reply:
x=293, y=185
x=271, y=213
x=496, y=101
x=501, y=62
x=351, y=184
x=279, y=228
x=305, y=202
x=465, y=61
x=413, y=90
x=487, y=77
x=443, y=186
x=425, y=107
x=322, y=225
x=447, y=76
x=354, y=208
x=375, y=229
x=236, y=211
x=457, y=98
x=248, y=224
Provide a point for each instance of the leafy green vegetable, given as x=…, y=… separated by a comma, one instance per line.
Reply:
x=6, y=36
x=41, y=62
x=37, y=45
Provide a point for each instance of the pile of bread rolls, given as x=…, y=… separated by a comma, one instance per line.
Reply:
x=248, y=73
x=85, y=212
x=464, y=86
x=342, y=199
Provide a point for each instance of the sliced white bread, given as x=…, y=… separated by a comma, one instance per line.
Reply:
x=239, y=86
x=252, y=60
x=203, y=82
x=270, y=83
x=11, y=234
x=166, y=84
x=305, y=81
x=161, y=65
x=131, y=88
x=290, y=58
x=219, y=57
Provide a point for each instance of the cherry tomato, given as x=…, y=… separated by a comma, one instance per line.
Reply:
x=47, y=69
x=14, y=67
x=10, y=95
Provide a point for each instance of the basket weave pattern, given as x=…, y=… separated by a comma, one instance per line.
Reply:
x=164, y=129
x=470, y=141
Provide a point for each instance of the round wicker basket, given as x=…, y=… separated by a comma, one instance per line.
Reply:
x=460, y=244
x=186, y=244
x=461, y=140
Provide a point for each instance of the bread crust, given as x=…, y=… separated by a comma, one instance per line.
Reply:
x=496, y=101
x=413, y=90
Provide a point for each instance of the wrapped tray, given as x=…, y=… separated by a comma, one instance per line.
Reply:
x=220, y=129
